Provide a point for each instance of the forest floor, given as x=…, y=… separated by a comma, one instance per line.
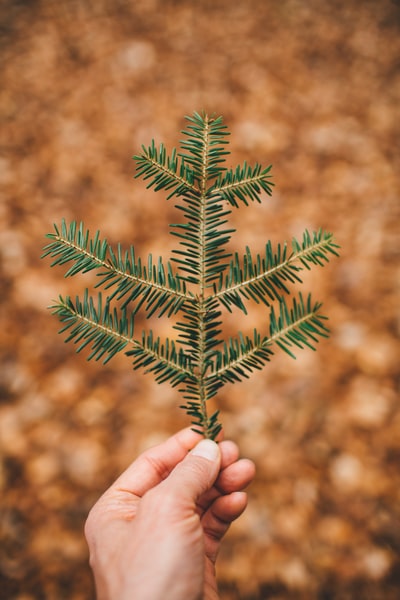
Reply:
x=311, y=87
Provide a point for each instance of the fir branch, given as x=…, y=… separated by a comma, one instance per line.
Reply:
x=199, y=362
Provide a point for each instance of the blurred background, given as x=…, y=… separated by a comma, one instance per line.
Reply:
x=312, y=87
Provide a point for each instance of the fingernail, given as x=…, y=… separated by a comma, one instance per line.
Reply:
x=206, y=449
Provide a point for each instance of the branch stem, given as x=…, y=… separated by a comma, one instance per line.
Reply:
x=202, y=286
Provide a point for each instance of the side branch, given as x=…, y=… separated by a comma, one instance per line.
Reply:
x=244, y=184
x=162, y=359
x=104, y=330
x=160, y=289
x=239, y=358
x=107, y=334
x=265, y=279
x=301, y=325
x=163, y=171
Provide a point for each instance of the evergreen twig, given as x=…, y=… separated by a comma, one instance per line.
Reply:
x=202, y=278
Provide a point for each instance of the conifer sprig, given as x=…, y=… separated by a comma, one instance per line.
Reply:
x=201, y=280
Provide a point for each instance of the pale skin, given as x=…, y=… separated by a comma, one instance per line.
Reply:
x=156, y=532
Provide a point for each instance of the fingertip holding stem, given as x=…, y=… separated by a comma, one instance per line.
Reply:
x=207, y=449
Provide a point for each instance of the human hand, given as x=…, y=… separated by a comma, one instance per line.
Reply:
x=156, y=532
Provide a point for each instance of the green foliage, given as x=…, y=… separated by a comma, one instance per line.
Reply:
x=201, y=278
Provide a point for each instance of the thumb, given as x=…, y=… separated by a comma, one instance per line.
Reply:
x=196, y=473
